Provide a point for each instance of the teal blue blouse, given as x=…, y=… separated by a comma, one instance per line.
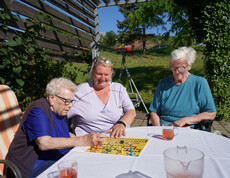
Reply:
x=173, y=102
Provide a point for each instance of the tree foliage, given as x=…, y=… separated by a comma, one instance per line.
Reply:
x=138, y=18
x=208, y=23
x=110, y=39
x=216, y=20
x=205, y=21
x=126, y=35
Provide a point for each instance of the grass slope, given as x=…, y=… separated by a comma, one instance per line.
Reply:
x=147, y=70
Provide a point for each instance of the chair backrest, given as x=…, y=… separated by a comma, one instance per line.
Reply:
x=10, y=114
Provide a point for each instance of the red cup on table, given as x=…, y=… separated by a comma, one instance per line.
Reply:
x=168, y=131
x=68, y=169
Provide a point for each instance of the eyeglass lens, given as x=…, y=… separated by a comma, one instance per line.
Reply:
x=180, y=69
x=66, y=101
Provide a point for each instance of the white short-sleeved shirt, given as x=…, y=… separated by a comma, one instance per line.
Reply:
x=89, y=114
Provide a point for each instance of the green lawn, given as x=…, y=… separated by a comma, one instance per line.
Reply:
x=147, y=70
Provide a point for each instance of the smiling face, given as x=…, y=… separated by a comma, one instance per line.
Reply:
x=101, y=76
x=58, y=104
x=176, y=66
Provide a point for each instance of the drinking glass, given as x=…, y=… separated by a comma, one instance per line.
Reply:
x=168, y=131
x=53, y=174
x=68, y=169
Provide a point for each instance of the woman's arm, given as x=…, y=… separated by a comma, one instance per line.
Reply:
x=129, y=117
x=56, y=143
x=195, y=119
x=118, y=130
x=71, y=134
x=155, y=119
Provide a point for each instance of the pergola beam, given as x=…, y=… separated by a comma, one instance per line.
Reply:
x=118, y=2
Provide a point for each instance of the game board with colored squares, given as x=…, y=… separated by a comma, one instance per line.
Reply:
x=120, y=146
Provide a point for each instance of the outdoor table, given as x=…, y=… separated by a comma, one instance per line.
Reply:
x=151, y=161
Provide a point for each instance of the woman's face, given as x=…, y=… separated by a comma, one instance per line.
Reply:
x=101, y=76
x=177, y=68
x=61, y=103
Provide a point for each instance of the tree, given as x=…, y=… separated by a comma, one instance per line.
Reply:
x=215, y=20
x=110, y=39
x=144, y=16
x=198, y=21
x=126, y=35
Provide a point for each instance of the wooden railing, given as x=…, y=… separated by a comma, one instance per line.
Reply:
x=70, y=26
x=68, y=30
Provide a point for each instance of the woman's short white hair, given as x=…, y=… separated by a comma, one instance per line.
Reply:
x=187, y=53
x=55, y=85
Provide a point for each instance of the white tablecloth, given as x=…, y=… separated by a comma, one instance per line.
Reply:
x=150, y=163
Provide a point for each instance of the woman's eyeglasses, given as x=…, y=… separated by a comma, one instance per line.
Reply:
x=107, y=61
x=66, y=101
x=180, y=69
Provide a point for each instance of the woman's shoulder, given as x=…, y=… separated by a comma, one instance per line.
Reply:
x=198, y=81
x=165, y=81
x=84, y=86
x=197, y=78
x=115, y=85
x=83, y=89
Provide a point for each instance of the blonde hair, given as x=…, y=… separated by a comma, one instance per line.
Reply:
x=106, y=62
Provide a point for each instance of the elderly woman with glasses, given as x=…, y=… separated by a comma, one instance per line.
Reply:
x=183, y=99
x=43, y=136
x=102, y=105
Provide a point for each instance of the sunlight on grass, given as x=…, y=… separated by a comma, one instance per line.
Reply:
x=147, y=70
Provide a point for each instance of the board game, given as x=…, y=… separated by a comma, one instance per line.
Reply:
x=120, y=146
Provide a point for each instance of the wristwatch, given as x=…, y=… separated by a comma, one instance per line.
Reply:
x=121, y=122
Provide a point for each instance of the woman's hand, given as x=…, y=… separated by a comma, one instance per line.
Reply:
x=181, y=122
x=117, y=130
x=94, y=139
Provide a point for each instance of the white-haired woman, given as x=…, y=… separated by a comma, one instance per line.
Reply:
x=101, y=105
x=43, y=136
x=183, y=99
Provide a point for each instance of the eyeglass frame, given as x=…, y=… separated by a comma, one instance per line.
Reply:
x=180, y=69
x=66, y=101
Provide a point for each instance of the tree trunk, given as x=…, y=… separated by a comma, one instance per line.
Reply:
x=143, y=38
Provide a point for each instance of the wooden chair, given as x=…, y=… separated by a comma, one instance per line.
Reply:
x=10, y=114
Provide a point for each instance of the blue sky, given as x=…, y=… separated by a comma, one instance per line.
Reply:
x=108, y=17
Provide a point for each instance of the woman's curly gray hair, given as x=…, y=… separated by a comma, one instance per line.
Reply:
x=55, y=85
x=187, y=53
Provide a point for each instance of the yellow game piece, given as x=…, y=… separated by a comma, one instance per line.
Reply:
x=119, y=149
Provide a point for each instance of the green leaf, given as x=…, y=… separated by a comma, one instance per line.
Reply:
x=19, y=41
x=12, y=43
x=20, y=82
x=2, y=80
x=3, y=51
x=31, y=50
x=2, y=66
x=8, y=16
x=17, y=69
x=29, y=25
